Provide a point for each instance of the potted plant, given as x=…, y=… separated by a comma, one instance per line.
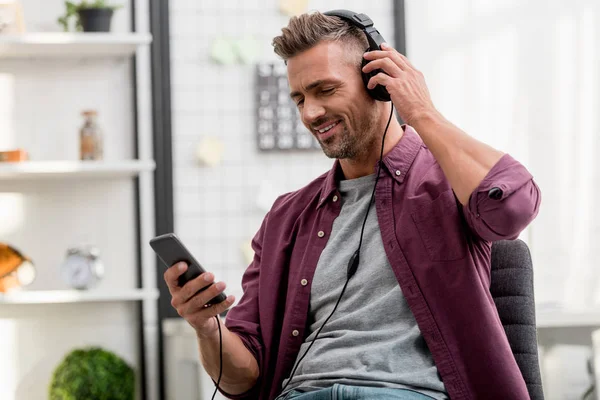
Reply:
x=92, y=373
x=90, y=16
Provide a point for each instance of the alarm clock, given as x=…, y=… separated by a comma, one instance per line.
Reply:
x=82, y=268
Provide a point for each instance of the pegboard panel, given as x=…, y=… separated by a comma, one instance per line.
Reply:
x=278, y=123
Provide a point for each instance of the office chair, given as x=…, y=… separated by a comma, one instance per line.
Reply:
x=512, y=291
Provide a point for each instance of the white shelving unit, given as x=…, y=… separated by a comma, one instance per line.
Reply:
x=111, y=201
x=31, y=170
x=77, y=296
x=68, y=45
x=548, y=319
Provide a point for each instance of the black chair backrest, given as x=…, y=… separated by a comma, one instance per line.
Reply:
x=512, y=290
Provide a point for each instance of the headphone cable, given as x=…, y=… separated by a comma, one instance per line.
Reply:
x=220, y=358
x=354, y=260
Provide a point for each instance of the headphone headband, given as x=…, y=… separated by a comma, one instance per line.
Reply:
x=362, y=22
x=365, y=24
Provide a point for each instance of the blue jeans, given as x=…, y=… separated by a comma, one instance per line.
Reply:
x=345, y=392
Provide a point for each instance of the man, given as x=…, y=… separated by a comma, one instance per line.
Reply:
x=416, y=320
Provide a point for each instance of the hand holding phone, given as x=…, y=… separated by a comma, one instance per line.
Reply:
x=194, y=295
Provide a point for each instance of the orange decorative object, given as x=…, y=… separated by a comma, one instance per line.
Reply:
x=16, y=270
x=9, y=282
x=13, y=155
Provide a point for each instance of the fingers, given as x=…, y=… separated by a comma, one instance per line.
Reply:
x=385, y=64
x=198, y=300
x=172, y=275
x=389, y=52
x=402, y=58
x=219, y=308
x=192, y=287
x=202, y=317
x=190, y=300
x=181, y=295
x=379, y=79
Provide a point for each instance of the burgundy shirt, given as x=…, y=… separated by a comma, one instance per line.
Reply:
x=439, y=251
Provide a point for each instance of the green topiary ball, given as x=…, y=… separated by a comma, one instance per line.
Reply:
x=92, y=374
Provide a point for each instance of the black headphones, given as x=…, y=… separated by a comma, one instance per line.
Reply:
x=364, y=23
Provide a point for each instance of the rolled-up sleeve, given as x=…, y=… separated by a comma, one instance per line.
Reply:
x=243, y=319
x=504, y=203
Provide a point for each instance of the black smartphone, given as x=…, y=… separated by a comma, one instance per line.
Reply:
x=171, y=250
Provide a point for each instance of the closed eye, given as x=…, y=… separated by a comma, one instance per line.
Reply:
x=323, y=92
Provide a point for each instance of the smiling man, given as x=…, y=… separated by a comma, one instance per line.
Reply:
x=322, y=73
x=373, y=280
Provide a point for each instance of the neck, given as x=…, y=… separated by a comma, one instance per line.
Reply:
x=363, y=165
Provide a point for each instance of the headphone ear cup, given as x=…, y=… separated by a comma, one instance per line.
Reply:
x=379, y=92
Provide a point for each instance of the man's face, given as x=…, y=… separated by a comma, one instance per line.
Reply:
x=327, y=87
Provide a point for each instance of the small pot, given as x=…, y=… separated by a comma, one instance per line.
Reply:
x=95, y=19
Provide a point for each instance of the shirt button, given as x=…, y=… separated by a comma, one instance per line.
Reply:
x=398, y=172
x=303, y=282
x=295, y=333
x=495, y=193
x=335, y=198
x=321, y=234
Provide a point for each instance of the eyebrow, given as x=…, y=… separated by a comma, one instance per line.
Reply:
x=311, y=86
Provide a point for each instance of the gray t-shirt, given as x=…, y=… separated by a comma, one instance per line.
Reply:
x=372, y=339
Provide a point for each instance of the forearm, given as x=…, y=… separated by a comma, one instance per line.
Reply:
x=240, y=370
x=464, y=160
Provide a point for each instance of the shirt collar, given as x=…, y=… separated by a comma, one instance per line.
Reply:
x=397, y=163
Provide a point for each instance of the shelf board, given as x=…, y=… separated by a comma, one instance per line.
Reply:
x=31, y=170
x=67, y=45
x=567, y=318
x=76, y=296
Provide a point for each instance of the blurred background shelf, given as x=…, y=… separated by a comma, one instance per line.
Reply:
x=56, y=44
x=567, y=318
x=77, y=296
x=31, y=170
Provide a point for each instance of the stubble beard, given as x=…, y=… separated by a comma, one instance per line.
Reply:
x=350, y=146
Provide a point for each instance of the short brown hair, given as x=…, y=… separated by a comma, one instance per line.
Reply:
x=307, y=30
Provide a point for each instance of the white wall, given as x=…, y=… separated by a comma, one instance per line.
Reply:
x=41, y=109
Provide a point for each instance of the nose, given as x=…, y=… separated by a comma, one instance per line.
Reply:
x=312, y=111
